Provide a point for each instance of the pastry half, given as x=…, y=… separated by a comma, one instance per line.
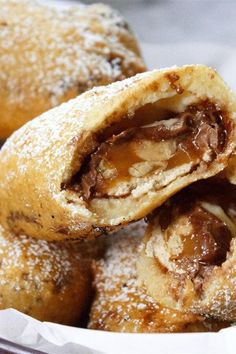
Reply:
x=115, y=153
x=49, y=55
x=121, y=305
x=189, y=251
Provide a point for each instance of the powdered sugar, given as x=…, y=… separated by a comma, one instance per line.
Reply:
x=121, y=304
x=27, y=263
x=46, y=51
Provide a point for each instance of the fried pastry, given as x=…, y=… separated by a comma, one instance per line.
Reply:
x=121, y=305
x=190, y=251
x=115, y=153
x=47, y=280
x=48, y=56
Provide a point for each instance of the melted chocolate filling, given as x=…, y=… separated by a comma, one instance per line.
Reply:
x=196, y=130
x=209, y=241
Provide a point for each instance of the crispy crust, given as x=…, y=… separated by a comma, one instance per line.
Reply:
x=44, y=155
x=48, y=281
x=121, y=305
x=48, y=56
x=219, y=289
x=213, y=294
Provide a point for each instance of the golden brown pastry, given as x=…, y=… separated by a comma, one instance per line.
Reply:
x=48, y=56
x=121, y=305
x=190, y=251
x=46, y=280
x=115, y=153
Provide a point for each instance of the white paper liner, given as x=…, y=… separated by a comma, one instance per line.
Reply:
x=57, y=339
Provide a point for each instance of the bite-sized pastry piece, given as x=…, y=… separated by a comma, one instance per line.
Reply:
x=50, y=281
x=115, y=153
x=48, y=56
x=190, y=251
x=121, y=305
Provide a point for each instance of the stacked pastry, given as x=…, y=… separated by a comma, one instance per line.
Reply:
x=159, y=146
x=48, y=56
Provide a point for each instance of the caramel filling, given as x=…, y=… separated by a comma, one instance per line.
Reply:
x=118, y=164
x=208, y=242
x=198, y=226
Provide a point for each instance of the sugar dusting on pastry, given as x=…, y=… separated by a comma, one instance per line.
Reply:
x=199, y=267
x=26, y=255
x=49, y=281
x=117, y=271
x=80, y=45
x=52, y=149
x=121, y=304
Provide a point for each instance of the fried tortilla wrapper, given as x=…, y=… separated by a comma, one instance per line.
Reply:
x=121, y=305
x=190, y=251
x=115, y=153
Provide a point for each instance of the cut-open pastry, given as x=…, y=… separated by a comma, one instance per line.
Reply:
x=115, y=153
x=50, y=281
x=50, y=55
x=190, y=251
x=121, y=305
